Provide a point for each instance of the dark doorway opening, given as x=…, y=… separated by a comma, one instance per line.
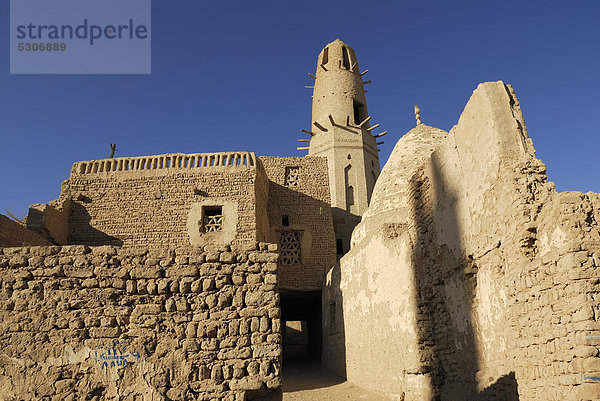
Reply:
x=301, y=325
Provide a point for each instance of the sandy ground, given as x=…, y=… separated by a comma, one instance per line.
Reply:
x=305, y=381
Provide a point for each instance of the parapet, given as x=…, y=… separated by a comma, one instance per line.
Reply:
x=167, y=161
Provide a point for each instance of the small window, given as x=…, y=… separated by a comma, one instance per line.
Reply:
x=325, y=56
x=349, y=197
x=345, y=58
x=359, y=112
x=289, y=244
x=339, y=245
x=291, y=176
x=212, y=219
x=285, y=220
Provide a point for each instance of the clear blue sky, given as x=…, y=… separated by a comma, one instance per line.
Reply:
x=230, y=75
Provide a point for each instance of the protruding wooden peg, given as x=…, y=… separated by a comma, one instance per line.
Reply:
x=303, y=140
x=309, y=87
x=366, y=120
x=380, y=135
x=364, y=72
x=380, y=143
x=373, y=127
x=367, y=82
x=312, y=76
x=319, y=126
x=302, y=148
x=308, y=132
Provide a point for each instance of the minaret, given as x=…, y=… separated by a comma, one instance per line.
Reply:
x=342, y=132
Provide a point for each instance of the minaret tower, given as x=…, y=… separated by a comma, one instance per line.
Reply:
x=342, y=132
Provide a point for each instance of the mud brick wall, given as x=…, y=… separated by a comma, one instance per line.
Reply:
x=149, y=207
x=470, y=277
x=109, y=323
x=15, y=234
x=556, y=304
x=307, y=206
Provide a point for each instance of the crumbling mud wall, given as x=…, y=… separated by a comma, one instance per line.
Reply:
x=470, y=277
x=50, y=221
x=15, y=234
x=110, y=323
x=151, y=201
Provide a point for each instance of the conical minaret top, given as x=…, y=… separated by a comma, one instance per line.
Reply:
x=342, y=132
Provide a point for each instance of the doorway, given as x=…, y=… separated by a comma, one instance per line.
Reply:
x=301, y=325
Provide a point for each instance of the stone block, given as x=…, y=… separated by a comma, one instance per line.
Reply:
x=146, y=272
x=182, y=271
x=105, y=332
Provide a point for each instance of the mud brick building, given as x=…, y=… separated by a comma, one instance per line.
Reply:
x=455, y=273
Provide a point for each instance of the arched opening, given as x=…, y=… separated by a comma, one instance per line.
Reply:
x=345, y=58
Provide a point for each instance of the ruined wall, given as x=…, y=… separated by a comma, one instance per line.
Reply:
x=49, y=221
x=555, y=303
x=299, y=189
x=133, y=324
x=475, y=278
x=157, y=201
x=15, y=234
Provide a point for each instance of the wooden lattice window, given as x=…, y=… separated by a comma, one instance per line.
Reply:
x=291, y=176
x=212, y=219
x=289, y=242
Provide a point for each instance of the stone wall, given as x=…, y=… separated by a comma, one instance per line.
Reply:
x=470, y=277
x=15, y=234
x=305, y=202
x=156, y=201
x=137, y=324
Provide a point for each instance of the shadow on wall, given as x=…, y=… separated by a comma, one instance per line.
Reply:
x=446, y=287
x=334, y=339
x=82, y=233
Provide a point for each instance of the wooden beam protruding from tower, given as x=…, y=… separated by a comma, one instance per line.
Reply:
x=308, y=132
x=366, y=120
x=373, y=127
x=364, y=72
x=302, y=148
x=331, y=120
x=367, y=82
x=309, y=87
x=312, y=76
x=303, y=140
x=319, y=126
x=380, y=135
x=380, y=143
